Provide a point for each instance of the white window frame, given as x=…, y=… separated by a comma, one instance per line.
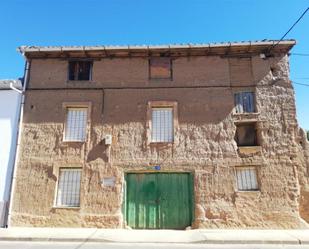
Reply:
x=56, y=202
x=247, y=179
x=149, y=125
x=78, y=138
x=162, y=130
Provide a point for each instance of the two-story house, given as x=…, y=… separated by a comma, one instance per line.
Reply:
x=160, y=137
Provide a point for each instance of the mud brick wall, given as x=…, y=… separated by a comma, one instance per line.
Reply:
x=204, y=142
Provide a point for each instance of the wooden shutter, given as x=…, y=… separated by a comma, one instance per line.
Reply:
x=160, y=68
x=84, y=70
x=80, y=70
x=73, y=67
x=244, y=102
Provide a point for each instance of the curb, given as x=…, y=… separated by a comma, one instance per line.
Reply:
x=211, y=241
x=58, y=240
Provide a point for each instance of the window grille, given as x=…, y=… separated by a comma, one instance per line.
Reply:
x=244, y=102
x=246, y=179
x=76, y=124
x=162, y=125
x=68, y=193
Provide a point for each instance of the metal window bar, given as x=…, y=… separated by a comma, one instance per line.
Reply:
x=76, y=124
x=68, y=193
x=162, y=125
x=244, y=102
x=246, y=179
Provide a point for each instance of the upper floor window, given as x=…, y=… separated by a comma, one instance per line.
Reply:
x=80, y=70
x=244, y=102
x=76, y=124
x=162, y=125
x=160, y=68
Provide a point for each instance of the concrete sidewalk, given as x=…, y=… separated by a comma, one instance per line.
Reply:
x=209, y=236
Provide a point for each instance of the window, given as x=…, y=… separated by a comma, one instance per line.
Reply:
x=76, y=124
x=80, y=70
x=246, y=134
x=244, y=102
x=162, y=124
x=246, y=178
x=68, y=194
x=162, y=121
x=160, y=68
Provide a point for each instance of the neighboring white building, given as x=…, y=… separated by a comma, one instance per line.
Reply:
x=10, y=101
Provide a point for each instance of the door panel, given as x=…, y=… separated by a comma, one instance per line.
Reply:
x=159, y=200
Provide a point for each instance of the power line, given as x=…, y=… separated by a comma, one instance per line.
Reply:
x=302, y=84
x=299, y=54
x=274, y=45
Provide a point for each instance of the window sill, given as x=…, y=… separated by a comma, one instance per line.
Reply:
x=246, y=113
x=249, y=149
x=79, y=81
x=72, y=141
x=161, y=144
x=66, y=207
x=156, y=80
x=246, y=117
x=249, y=192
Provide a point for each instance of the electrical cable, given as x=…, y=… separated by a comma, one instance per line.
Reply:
x=299, y=54
x=274, y=45
x=298, y=83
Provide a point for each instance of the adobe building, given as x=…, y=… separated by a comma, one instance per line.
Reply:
x=161, y=137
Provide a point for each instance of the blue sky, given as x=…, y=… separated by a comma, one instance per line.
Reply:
x=93, y=22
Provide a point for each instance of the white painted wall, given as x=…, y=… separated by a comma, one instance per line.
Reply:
x=9, y=115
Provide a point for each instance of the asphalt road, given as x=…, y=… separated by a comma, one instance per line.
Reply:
x=78, y=245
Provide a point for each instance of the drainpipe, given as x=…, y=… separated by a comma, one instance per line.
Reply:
x=18, y=136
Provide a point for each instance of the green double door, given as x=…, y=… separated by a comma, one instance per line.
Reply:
x=159, y=200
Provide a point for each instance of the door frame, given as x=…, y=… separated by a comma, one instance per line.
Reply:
x=124, y=191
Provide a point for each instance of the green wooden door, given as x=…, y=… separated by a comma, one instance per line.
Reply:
x=159, y=200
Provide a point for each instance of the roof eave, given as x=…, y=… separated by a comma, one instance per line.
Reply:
x=243, y=46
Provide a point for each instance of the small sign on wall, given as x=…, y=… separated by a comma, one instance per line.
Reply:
x=108, y=181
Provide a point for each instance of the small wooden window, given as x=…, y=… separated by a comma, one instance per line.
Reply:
x=246, y=178
x=68, y=193
x=246, y=134
x=80, y=70
x=160, y=68
x=244, y=102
